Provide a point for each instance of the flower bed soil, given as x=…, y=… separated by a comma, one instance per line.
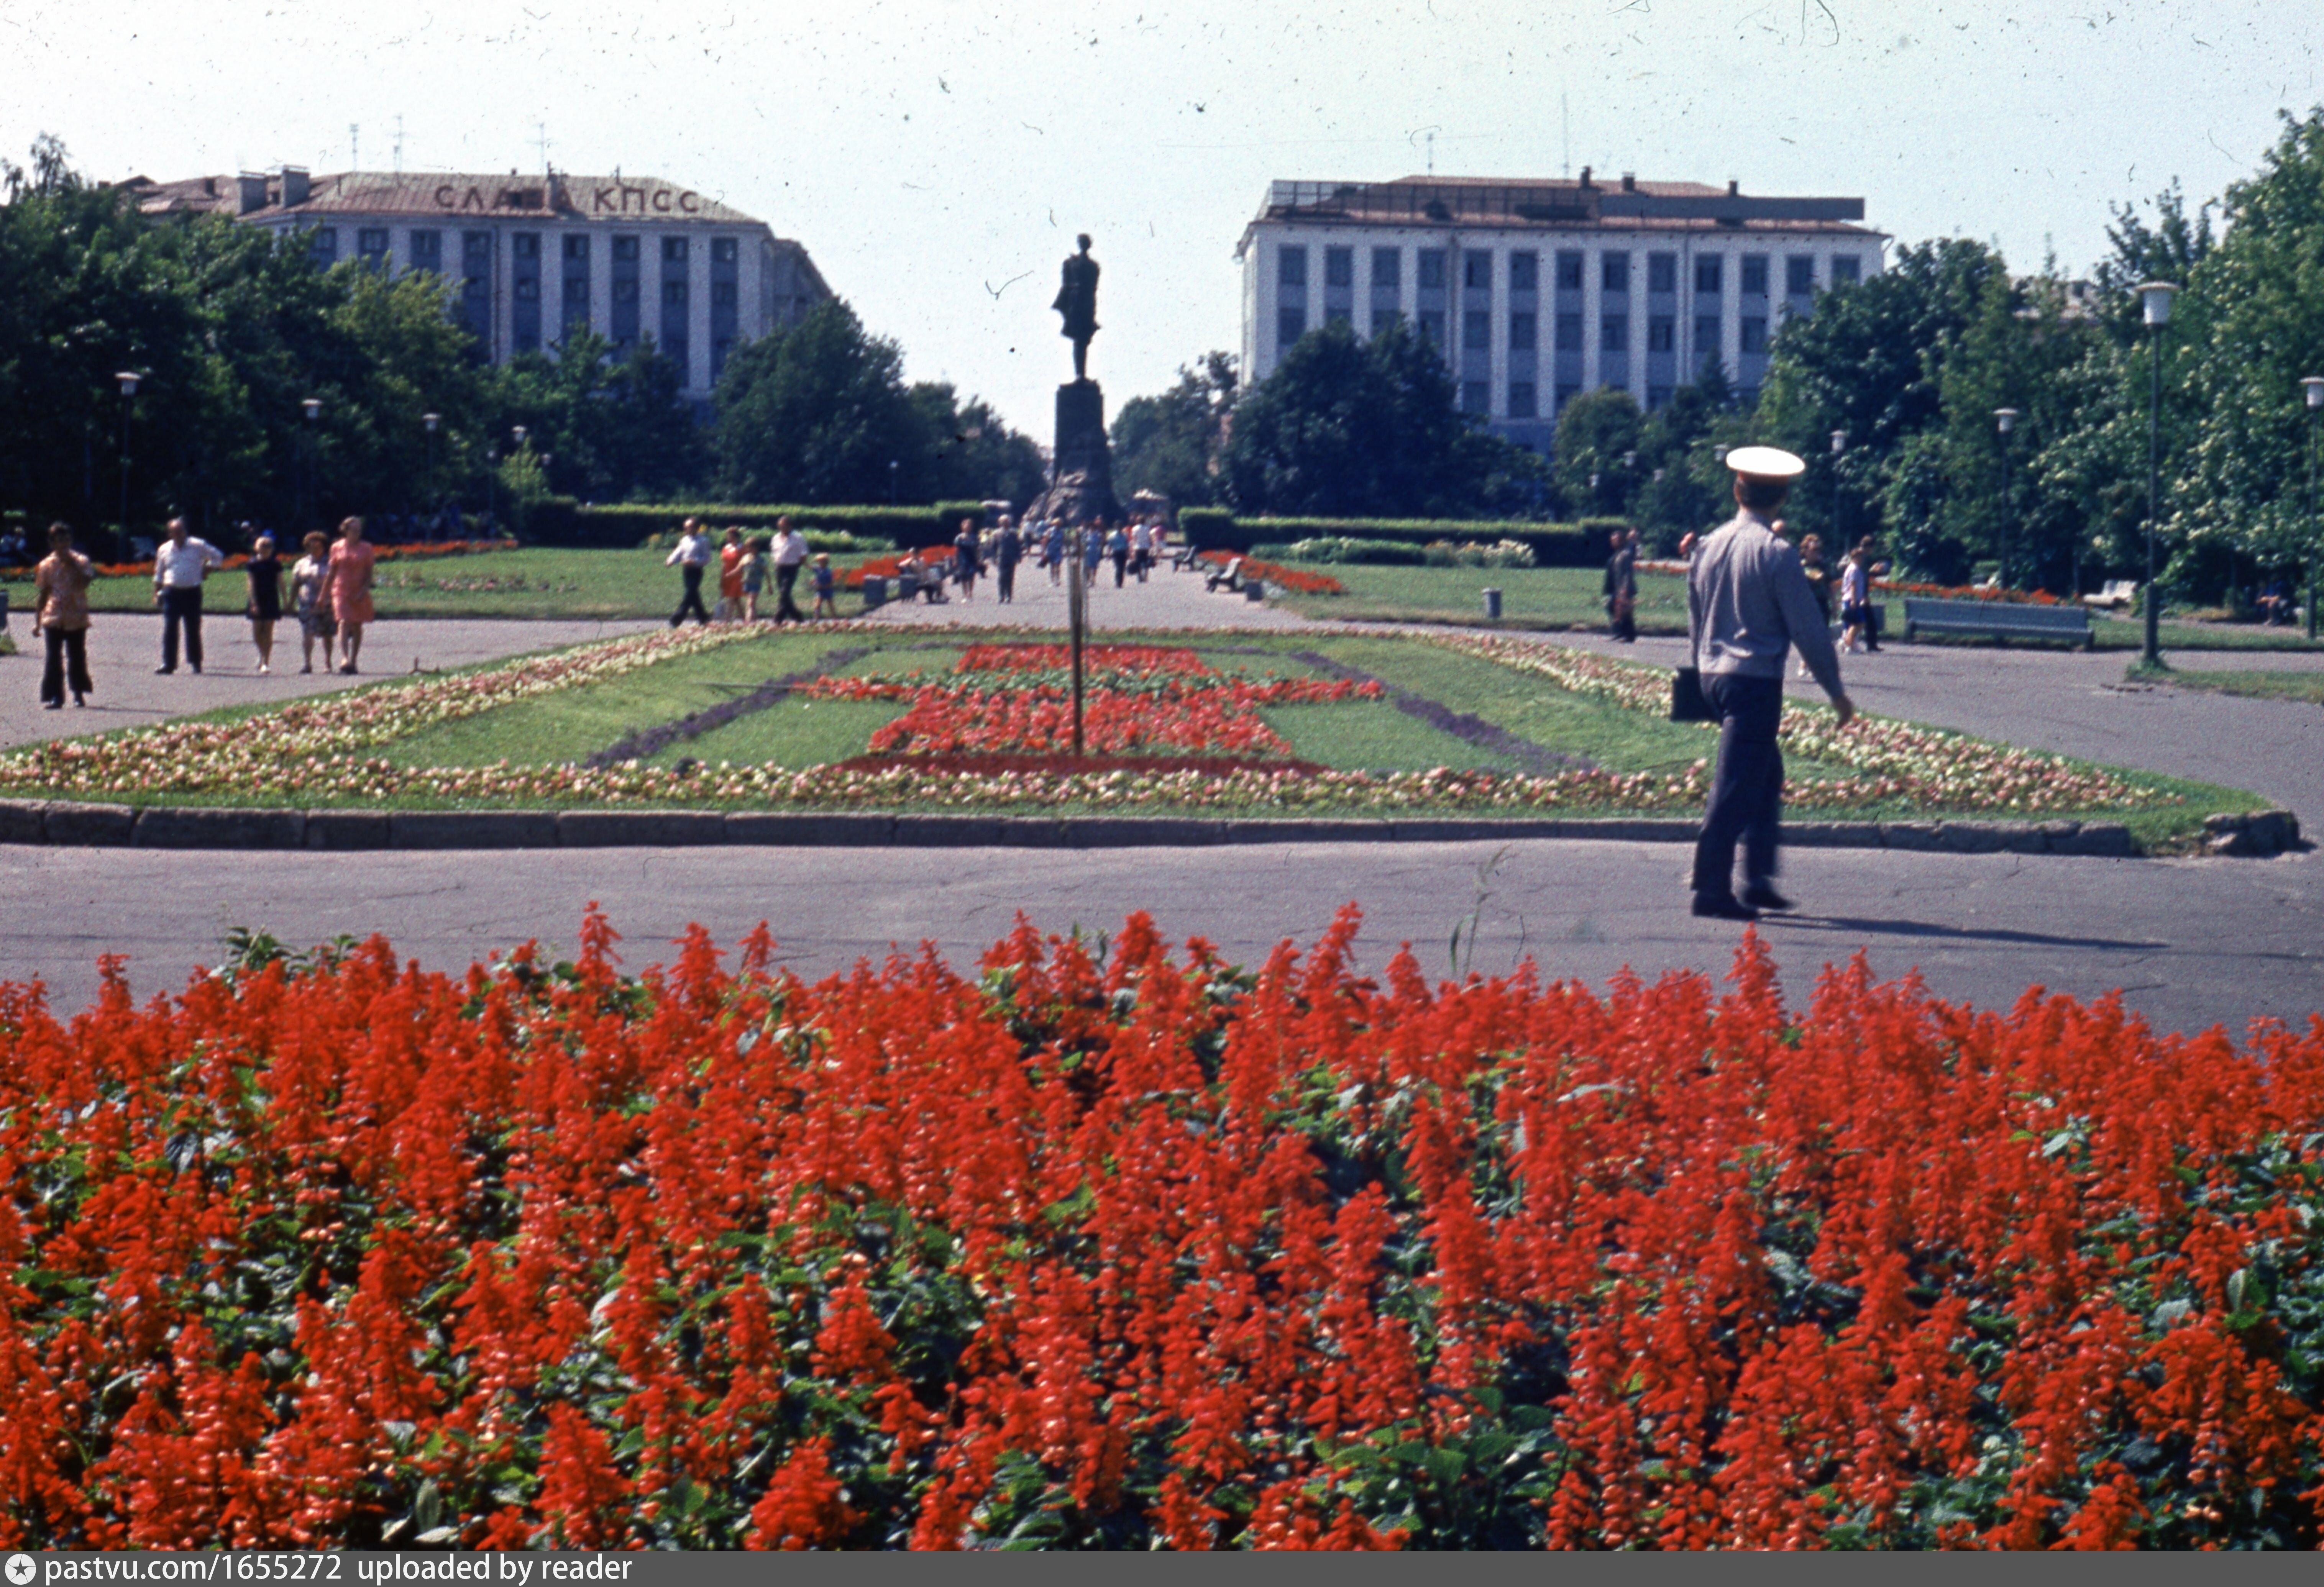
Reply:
x=1114, y=1250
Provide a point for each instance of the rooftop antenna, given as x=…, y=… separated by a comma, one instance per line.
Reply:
x=1565, y=129
x=1432, y=155
x=355, y=146
x=542, y=128
x=399, y=145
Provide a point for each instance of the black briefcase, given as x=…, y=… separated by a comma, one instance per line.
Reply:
x=1687, y=702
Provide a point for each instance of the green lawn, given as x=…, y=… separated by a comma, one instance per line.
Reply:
x=2307, y=686
x=1534, y=598
x=536, y=581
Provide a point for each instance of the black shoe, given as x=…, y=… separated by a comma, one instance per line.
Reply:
x=197, y=669
x=52, y=705
x=1759, y=895
x=1711, y=907
x=163, y=671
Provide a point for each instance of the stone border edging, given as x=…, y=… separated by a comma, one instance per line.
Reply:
x=62, y=823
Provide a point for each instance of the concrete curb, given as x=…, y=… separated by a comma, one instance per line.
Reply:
x=65, y=824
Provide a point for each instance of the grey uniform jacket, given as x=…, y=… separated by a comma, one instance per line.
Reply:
x=1747, y=603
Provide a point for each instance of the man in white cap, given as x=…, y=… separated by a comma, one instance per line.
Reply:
x=1747, y=604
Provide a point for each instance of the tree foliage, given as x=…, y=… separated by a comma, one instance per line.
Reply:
x=1171, y=444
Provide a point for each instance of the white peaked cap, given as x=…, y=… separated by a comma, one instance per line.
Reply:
x=1765, y=462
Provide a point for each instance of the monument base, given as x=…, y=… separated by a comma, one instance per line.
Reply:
x=1081, y=489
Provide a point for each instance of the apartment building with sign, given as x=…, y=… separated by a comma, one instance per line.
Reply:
x=526, y=259
x=1539, y=291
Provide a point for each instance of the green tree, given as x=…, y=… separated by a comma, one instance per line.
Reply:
x=968, y=453
x=614, y=428
x=1170, y=443
x=1345, y=427
x=816, y=413
x=1596, y=472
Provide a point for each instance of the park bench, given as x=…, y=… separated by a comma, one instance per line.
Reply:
x=1229, y=577
x=2115, y=594
x=2000, y=619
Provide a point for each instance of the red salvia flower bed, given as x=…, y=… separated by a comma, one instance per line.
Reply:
x=1299, y=580
x=1113, y=1247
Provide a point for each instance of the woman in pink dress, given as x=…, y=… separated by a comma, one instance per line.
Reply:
x=350, y=586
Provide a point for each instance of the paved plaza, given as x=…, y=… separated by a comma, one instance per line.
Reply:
x=2190, y=942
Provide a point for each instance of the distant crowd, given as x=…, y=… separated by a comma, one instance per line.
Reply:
x=1133, y=549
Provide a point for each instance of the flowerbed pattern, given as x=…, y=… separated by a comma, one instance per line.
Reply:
x=1117, y=1250
x=422, y=551
x=1136, y=698
x=1926, y=766
x=1275, y=575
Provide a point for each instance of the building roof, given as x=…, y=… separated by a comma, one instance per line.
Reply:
x=623, y=201
x=1554, y=204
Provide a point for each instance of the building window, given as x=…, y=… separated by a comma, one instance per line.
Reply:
x=1340, y=317
x=1706, y=274
x=1432, y=269
x=1290, y=324
x=1569, y=272
x=1291, y=267
x=372, y=244
x=1755, y=275
x=577, y=294
x=1799, y=275
x=1658, y=397
x=1614, y=273
x=1569, y=333
x=528, y=288
x=525, y=245
x=625, y=249
x=673, y=348
x=1382, y=318
x=1477, y=329
x=673, y=294
x=1660, y=330
x=323, y=244
x=673, y=250
x=625, y=291
x=1476, y=397
x=1614, y=333
x=1755, y=333
x=1845, y=267
x=1567, y=391
x=1522, y=401
x=1476, y=272
x=1521, y=333
x=1708, y=332
x=1524, y=271
x=476, y=288
x=1662, y=272
x=576, y=246
x=428, y=250
x=720, y=351
x=721, y=252
x=476, y=247
x=725, y=295
x=1432, y=327
x=1339, y=267
x=1387, y=271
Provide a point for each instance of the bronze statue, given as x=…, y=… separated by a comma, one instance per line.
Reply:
x=1078, y=301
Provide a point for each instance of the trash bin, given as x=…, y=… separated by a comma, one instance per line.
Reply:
x=4, y=611
x=1254, y=590
x=875, y=591
x=1493, y=604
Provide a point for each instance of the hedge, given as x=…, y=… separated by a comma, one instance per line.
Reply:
x=1582, y=545
x=563, y=522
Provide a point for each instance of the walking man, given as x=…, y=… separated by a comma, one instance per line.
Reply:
x=178, y=569
x=1008, y=550
x=1748, y=604
x=790, y=555
x=693, y=554
x=60, y=615
x=1622, y=586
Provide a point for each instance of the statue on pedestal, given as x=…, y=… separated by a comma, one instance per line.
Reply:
x=1078, y=301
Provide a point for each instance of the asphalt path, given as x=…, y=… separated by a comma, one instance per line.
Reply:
x=2190, y=943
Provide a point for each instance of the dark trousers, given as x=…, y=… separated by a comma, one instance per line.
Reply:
x=68, y=656
x=692, y=600
x=1746, y=792
x=1121, y=561
x=182, y=608
x=786, y=579
x=1007, y=578
x=1622, y=618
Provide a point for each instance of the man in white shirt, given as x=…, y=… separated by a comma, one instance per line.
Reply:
x=178, y=569
x=695, y=550
x=790, y=554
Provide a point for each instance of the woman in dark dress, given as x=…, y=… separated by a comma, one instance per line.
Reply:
x=264, y=572
x=968, y=559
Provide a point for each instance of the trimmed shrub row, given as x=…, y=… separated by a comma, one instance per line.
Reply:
x=1580, y=545
x=564, y=522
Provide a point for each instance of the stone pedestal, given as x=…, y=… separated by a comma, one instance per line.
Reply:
x=1082, y=487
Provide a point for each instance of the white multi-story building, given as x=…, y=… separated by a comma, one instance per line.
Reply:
x=1539, y=291
x=526, y=258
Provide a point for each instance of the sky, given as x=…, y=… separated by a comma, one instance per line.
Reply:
x=937, y=159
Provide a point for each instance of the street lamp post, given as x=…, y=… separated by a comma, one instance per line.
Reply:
x=1076, y=618
x=1839, y=446
x=894, y=466
x=2156, y=297
x=2312, y=387
x=2006, y=420
x=128, y=379
x=313, y=406
x=431, y=420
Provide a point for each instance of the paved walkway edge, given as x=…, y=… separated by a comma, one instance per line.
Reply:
x=61, y=823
